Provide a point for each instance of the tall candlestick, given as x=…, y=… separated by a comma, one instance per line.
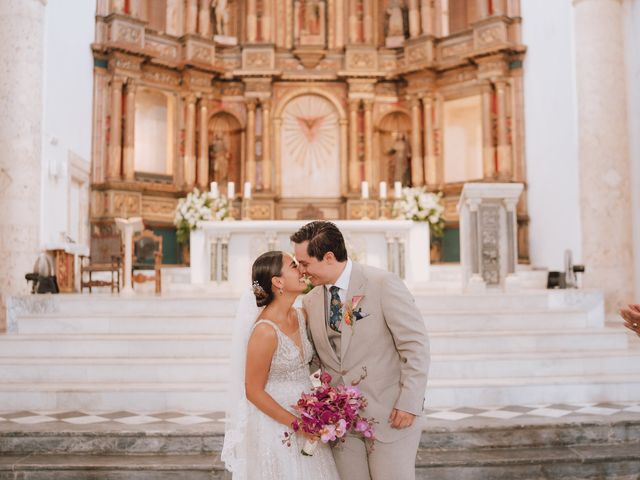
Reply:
x=397, y=189
x=215, y=193
x=247, y=190
x=231, y=190
x=365, y=190
x=383, y=190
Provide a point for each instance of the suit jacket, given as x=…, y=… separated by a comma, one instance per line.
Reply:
x=390, y=344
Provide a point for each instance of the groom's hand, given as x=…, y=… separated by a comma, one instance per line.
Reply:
x=400, y=419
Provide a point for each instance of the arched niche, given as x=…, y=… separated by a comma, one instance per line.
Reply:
x=225, y=138
x=391, y=128
x=154, y=132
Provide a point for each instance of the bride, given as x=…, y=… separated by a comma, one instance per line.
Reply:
x=269, y=370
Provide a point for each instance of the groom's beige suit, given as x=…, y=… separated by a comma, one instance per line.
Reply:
x=386, y=354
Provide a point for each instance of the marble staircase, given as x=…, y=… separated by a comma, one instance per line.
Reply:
x=147, y=353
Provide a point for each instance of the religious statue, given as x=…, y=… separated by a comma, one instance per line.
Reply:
x=221, y=16
x=400, y=168
x=309, y=24
x=395, y=25
x=218, y=160
x=310, y=16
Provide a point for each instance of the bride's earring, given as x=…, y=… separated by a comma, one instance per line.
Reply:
x=281, y=291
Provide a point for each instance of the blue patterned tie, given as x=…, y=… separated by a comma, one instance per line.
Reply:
x=335, y=315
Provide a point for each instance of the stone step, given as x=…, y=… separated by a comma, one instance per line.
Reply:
x=216, y=323
x=206, y=369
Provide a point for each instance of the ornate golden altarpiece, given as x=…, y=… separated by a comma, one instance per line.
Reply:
x=249, y=80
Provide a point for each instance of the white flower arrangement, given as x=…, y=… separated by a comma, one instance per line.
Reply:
x=195, y=207
x=419, y=205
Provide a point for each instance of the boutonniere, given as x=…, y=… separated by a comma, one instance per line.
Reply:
x=353, y=312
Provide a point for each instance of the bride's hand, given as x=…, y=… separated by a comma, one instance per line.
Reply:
x=307, y=436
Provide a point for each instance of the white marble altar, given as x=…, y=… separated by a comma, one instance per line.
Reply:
x=488, y=229
x=222, y=252
x=128, y=226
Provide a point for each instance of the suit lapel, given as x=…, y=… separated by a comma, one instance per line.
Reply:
x=318, y=324
x=357, y=284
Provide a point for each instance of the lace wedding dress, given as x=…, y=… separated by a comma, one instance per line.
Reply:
x=267, y=457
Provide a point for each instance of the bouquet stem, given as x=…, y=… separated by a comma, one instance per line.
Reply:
x=309, y=447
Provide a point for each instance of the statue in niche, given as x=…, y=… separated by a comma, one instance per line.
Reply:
x=221, y=16
x=219, y=160
x=309, y=23
x=395, y=20
x=400, y=167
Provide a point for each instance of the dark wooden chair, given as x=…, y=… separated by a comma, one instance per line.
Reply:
x=105, y=255
x=147, y=256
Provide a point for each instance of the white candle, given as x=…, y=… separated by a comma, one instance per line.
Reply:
x=231, y=190
x=215, y=193
x=383, y=190
x=247, y=190
x=365, y=190
x=397, y=189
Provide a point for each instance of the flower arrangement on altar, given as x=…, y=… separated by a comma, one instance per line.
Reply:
x=195, y=207
x=419, y=205
x=330, y=413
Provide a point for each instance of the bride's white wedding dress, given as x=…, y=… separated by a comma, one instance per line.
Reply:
x=253, y=447
x=267, y=457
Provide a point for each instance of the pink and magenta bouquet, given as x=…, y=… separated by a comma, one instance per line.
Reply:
x=330, y=413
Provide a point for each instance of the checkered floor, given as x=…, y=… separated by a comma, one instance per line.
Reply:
x=496, y=414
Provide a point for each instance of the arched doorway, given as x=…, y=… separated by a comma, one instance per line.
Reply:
x=225, y=148
x=310, y=152
x=393, y=135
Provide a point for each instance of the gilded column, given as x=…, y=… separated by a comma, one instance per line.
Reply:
x=203, y=147
x=368, y=140
x=604, y=171
x=190, y=140
x=267, y=167
x=251, y=142
x=368, y=21
x=488, y=148
x=430, y=167
x=505, y=167
x=354, y=174
x=426, y=17
x=437, y=138
x=204, y=18
x=417, y=176
x=115, y=129
x=252, y=21
x=129, y=133
x=414, y=19
x=192, y=16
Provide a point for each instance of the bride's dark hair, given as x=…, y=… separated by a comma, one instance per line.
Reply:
x=266, y=266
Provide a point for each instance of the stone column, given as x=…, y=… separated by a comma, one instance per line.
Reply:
x=114, y=172
x=505, y=166
x=488, y=149
x=603, y=150
x=251, y=142
x=267, y=167
x=353, y=22
x=368, y=21
x=204, y=18
x=129, y=132
x=203, y=147
x=368, y=141
x=134, y=8
x=437, y=138
x=344, y=156
x=339, y=40
x=277, y=144
x=192, y=16
x=499, y=7
x=354, y=174
x=417, y=176
x=252, y=21
x=265, y=21
x=21, y=89
x=482, y=8
x=426, y=17
x=117, y=6
x=414, y=19
x=430, y=167
x=190, y=143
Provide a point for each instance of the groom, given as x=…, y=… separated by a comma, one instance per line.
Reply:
x=367, y=332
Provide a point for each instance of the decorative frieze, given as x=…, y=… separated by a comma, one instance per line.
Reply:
x=198, y=51
x=126, y=32
x=161, y=76
x=361, y=59
x=161, y=209
x=258, y=59
x=162, y=47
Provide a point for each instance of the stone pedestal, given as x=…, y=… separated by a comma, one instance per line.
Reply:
x=128, y=226
x=488, y=228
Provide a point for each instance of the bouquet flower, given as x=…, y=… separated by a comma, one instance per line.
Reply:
x=195, y=207
x=329, y=413
x=421, y=206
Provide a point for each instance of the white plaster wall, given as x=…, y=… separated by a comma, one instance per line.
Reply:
x=67, y=116
x=551, y=131
x=632, y=54
x=463, y=139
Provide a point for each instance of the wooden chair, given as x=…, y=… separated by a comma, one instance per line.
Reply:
x=147, y=255
x=105, y=255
